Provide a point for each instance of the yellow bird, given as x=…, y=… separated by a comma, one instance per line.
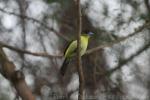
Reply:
x=72, y=49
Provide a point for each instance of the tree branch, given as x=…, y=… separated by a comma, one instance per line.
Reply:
x=22, y=6
x=123, y=62
x=15, y=77
x=146, y=47
x=146, y=25
x=79, y=61
x=147, y=5
x=29, y=52
x=37, y=21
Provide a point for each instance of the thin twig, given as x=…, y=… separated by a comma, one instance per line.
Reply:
x=123, y=62
x=146, y=25
x=29, y=52
x=22, y=6
x=79, y=61
x=146, y=47
x=37, y=21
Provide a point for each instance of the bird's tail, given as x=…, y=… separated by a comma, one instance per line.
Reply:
x=64, y=67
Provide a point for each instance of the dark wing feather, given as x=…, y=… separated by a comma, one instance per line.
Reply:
x=64, y=67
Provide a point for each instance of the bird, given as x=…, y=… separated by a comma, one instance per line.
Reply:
x=71, y=50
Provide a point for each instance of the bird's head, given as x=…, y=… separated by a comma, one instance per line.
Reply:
x=87, y=33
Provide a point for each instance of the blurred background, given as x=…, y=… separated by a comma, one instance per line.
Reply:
x=120, y=70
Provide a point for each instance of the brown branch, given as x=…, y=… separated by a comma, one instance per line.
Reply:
x=15, y=77
x=79, y=61
x=146, y=25
x=37, y=21
x=29, y=52
x=147, y=5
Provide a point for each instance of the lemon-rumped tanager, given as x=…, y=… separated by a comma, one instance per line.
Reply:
x=72, y=49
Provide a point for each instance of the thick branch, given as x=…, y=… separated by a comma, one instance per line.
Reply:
x=16, y=77
x=147, y=5
x=79, y=62
x=28, y=52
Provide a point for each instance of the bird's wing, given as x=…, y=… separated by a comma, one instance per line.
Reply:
x=71, y=50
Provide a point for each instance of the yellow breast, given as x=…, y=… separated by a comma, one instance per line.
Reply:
x=84, y=44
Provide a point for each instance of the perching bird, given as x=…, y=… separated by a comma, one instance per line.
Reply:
x=72, y=49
